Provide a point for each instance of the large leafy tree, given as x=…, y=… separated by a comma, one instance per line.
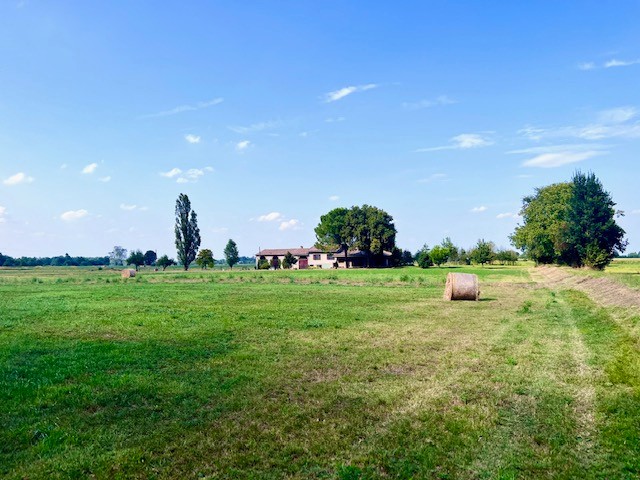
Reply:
x=592, y=234
x=205, y=259
x=150, y=257
x=483, y=252
x=330, y=233
x=544, y=215
x=187, y=231
x=367, y=228
x=136, y=258
x=370, y=230
x=231, y=253
x=570, y=223
x=439, y=255
x=117, y=256
x=165, y=262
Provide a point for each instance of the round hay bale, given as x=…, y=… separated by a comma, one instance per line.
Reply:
x=128, y=273
x=461, y=286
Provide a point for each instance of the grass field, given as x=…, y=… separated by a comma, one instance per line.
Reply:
x=312, y=374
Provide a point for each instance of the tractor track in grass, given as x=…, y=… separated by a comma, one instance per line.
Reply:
x=603, y=291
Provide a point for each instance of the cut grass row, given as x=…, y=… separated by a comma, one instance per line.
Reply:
x=175, y=378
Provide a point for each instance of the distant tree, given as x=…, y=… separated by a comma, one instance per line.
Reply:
x=396, y=257
x=454, y=253
x=136, y=258
x=231, y=253
x=407, y=257
x=289, y=260
x=509, y=257
x=592, y=234
x=165, y=262
x=464, y=257
x=483, y=252
x=423, y=258
x=150, y=257
x=275, y=263
x=187, y=231
x=263, y=264
x=205, y=259
x=439, y=255
x=118, y=256
x=542, y=235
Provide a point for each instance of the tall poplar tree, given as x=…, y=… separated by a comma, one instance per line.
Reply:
x=187, y=231
x=231, y=253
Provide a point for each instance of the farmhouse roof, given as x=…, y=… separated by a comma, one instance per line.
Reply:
x=271, y=252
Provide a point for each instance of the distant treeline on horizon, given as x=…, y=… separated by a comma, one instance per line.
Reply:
x=68, y=261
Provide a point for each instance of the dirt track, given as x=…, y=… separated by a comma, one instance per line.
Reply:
x=602, y=290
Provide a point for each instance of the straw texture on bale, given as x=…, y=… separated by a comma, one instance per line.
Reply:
x=462, y=286
x=128, y=273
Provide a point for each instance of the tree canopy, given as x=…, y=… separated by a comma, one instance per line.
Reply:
x=205, y=259
x=187, y=231
x=366, y=228
x=570, y=223
x=231, y=253
x=165, y=262
x=136, y=258
x=150, y=257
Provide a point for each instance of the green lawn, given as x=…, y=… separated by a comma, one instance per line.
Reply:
x=311, y=374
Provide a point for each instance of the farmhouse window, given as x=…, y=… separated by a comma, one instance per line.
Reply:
x=316, y=256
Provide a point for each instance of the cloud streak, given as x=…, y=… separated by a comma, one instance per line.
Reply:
x=270, y=217
x=73, y=215
x=184, y=108
x=438, y=101
x=89, y=169
x=346, y=91
x=256, y=127
x=463, y=141
x=292, y=224
x=17, y=179
x=190, y=138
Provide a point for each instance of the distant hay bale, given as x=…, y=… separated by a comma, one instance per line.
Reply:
x=128, y=273
x=461, y=286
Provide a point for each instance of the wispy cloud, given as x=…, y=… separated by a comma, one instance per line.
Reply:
x=586, y=66
x=463, y=141
x=292, y=224
x=618, y=122
x=479, y=209
x=189, y=176
x=73, y=215
x=17, y=179
x=89, y=169
x=345, y=91
x=185, y=108
x=617, y=115
x=243, y=145
x=130, y=208
x=256, y=127
x=270, y=217
x=440, y=100
x=3, y=213
x=334, y=119
x=507, y=215
x=334, y=198
x=433, y=177
x=612, y=63
x=553, y=160
x=171, y=173
x=190, y=138
x=105, y=179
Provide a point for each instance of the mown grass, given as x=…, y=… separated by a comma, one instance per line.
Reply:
x=310, y=374
x=623, y=270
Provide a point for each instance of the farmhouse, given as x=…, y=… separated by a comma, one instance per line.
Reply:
x=316, y=258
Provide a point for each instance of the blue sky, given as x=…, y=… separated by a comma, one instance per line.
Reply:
x=269, y=114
